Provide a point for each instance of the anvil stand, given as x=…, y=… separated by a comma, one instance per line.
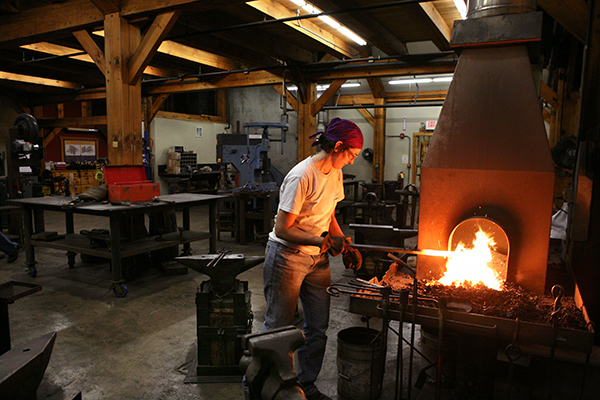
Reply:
x=223, y=313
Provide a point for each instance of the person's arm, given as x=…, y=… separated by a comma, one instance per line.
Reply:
x=286, y=230
x=334, y=226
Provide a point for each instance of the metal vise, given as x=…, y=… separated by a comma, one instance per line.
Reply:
x=222, y=273
x=268, y=364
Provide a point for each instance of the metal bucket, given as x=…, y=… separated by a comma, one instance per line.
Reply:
x=359, y=364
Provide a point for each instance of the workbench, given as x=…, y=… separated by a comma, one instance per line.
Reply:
x=115, y=250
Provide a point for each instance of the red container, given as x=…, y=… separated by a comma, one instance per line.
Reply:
x=128, y=183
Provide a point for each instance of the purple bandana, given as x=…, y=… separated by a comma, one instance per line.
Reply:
x=342, y=130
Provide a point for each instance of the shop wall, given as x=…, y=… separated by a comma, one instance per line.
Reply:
x=263, y=104
x=167, y=132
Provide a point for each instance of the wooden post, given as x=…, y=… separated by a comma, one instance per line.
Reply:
x=123, y=100
x=307, y=123
x=379, y=141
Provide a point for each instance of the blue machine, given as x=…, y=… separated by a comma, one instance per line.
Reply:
x=249, y=155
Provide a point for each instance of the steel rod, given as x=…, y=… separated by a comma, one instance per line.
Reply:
x=420, y=252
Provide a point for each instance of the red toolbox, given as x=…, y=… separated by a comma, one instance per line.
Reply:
x=128, y=183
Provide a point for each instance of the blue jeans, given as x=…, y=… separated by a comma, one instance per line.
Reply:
x=6, y=245
x=289, y=274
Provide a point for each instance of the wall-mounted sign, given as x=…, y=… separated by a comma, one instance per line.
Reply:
x=430, y=125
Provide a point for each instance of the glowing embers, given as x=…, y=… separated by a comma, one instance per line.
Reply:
x=479, y=254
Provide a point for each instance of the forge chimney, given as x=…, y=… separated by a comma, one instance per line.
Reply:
x=489, y=155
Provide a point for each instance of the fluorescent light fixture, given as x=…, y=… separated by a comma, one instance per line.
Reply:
x=345, y=31
x=443, y=79
x=309, y=8
x=409, y=81
x=321, y=88
x=351, y=84
x=461, y=7
x=330, y=21
x=292, y=88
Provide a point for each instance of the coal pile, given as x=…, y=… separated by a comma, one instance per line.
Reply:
x=512, y=302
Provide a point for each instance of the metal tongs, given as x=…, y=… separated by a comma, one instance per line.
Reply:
x=216, y=260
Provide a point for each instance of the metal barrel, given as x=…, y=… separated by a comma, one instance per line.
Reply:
x=358, y=363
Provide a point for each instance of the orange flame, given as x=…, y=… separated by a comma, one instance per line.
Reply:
x=472, y=265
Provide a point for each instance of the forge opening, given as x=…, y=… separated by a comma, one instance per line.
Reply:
x=480, y=254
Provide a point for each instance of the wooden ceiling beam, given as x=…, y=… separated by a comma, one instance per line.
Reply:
x=442, y=30
x=277, y=11
x=36, y=80
x=368, y=116
x=327, y=95
x=155, y=108
x=216, y=46
x=376, y=86
x=151, y=40
x=93, y=50
x=369, y=99
x=97, y=120
x=198, y=56
x=571, y=14
x=107, y=6
x=58, y=50
x=255, y=39
x=371, y=70
x=32, y=25
x=258, y=78
x=290, y=98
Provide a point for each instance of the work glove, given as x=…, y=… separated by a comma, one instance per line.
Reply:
x=351, y=256
x=332, y=244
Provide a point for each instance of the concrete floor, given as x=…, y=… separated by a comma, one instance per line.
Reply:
x=141, y=346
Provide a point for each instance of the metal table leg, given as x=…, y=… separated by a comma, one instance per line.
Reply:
x=115, y=257
x=70, y=227
x=212, y=226
x=29, y=252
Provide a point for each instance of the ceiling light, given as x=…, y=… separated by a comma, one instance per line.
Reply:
x=461, y=7
x=351, y=84
x=292, y=88
x=409, y=81
x=443, y=79
x=345, y=31
x=321, y=88
x=330, y=21
x=309, y=8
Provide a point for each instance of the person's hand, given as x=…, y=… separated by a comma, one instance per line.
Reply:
x=351, y=256
x=332, y=244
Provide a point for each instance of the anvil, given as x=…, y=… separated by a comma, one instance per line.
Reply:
x=223, y=273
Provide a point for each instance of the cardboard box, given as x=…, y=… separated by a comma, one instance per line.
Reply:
x=128, y=183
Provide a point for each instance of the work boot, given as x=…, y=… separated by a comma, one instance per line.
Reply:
x=12, y=257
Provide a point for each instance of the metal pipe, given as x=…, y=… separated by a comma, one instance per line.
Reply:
x=299, y=17
x=402, y=63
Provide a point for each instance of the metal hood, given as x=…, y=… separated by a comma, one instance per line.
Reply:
x=489, y=154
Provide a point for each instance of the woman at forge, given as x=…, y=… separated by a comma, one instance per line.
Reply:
x=306, y=233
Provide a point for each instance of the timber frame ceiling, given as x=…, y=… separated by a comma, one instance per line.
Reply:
x=53, y=47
